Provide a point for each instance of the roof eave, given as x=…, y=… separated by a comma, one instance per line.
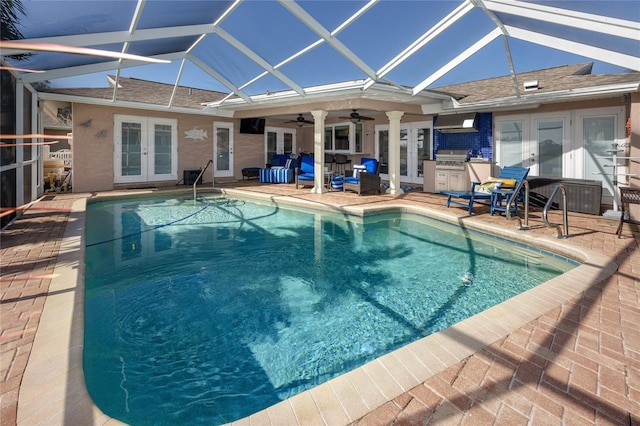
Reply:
x=532, y=100
x=351, y=89
x=128, y=104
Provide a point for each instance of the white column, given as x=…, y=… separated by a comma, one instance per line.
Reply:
x=394, y=152
x=318, y=151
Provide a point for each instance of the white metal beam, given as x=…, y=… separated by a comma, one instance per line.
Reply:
x=418, y=44
x=220, y=78
x=336, y=44
x=505, y=41
x=458, y=60
x=258, y=60
x=103, y=38
x=89, y=69
x=566, y=17
x=597, y=53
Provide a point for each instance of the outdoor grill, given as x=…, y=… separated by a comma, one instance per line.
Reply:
x=451, y=159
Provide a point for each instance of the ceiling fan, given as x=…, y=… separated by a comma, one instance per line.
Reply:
x=355, y=117
x=300, y=120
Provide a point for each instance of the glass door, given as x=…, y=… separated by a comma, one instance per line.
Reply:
x=279, y=140
x=223, y=149
x=541, y=149
x=511, y=136
x=421, y=149
x=145, y=149
x=547, y=146
x=415, y=147
x=131, y=164
x=600, y=134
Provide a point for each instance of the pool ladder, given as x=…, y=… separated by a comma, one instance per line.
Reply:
x=198, y=178
x=565, y=217
x=523, y=183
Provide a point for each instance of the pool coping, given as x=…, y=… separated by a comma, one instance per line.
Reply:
x=54, y=392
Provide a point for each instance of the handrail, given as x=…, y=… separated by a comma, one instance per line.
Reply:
x=198, y=178
x=511, y=199
x=565, y=216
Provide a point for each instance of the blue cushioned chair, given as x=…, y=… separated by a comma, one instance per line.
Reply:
x=492, y=199
x=366, y=180
x=304, y=173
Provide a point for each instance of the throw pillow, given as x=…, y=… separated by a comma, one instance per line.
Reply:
x=357, y=169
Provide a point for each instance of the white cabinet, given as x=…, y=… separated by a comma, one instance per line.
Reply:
x=429, y=170
x=452, y=180
x=479, y=171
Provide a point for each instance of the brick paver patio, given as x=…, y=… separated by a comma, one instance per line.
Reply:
x=578, y=364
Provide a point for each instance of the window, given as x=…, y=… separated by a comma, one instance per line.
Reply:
x=343, y=137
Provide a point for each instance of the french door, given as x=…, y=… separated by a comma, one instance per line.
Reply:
x=540, y=142
x=572, y=144
x=145, y=149
x=278, y=140
x=223, y=149
x=600, y=135
x=415, y=147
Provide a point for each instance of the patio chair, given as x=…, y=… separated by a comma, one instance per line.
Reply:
x=304, y=172
x=486, y=193
x=630, y=201
x=364, y=178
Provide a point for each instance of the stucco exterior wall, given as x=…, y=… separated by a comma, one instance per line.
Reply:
x=93, y=130
x=92, y=148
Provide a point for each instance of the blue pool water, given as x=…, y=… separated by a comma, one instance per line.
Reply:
x=206, y=312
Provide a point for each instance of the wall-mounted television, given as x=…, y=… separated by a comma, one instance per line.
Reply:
x=254, y=126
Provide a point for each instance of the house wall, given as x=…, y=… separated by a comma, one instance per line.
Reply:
x=93, y=149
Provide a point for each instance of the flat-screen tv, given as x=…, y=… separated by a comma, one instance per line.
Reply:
x=253, y=126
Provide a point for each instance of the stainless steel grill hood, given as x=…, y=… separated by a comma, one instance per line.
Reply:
x=457, y=123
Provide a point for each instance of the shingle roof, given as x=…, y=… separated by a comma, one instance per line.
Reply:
x=146, y=92
x=568, y=77
x=556, y=79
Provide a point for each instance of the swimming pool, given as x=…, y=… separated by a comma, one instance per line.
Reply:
x=241, y=305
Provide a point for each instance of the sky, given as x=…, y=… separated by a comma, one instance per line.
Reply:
x=274, y=35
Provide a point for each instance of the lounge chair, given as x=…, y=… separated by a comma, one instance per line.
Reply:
x=481, y=192
x=304, y=173
x=365, y=179
x=630, y=201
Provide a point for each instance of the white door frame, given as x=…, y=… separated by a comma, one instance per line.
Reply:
x=280, y=132
x=223, y=151
x=411, y=130
x=147, y=146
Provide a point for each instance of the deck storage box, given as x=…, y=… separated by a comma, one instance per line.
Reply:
x=190, y=176
x=583, y=195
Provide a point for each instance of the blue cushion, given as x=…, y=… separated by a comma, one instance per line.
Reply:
x=350, y=179
x=371, y=164
x=279, y=160
x=337, y=182
x=281, y=175
x=265, y=175
x=306, y=166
